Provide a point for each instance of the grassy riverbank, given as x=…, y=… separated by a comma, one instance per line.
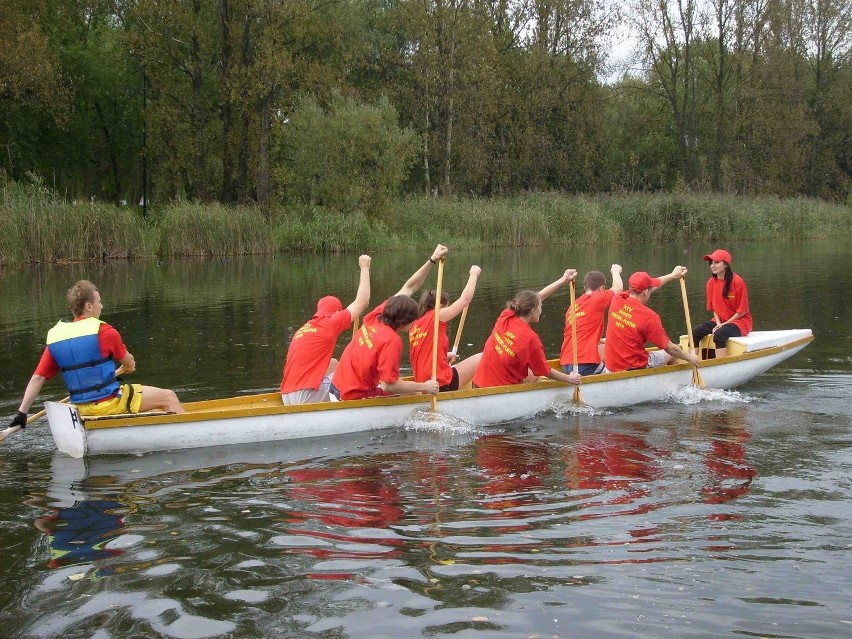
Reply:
x=36, y=227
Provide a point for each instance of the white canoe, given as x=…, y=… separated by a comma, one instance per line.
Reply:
x=260, y=418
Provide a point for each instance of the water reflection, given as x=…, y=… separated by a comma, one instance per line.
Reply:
x=80, y=534
x=443, y=534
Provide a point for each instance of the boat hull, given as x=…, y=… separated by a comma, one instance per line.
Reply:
x=262, y=418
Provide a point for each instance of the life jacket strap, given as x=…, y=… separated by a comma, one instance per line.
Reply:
x=89, y=389
x=96, y=362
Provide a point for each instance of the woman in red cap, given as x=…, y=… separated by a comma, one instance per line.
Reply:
x=310, y=365
x=727, y=298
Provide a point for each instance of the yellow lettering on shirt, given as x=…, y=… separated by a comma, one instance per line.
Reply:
x=307, y=328
x=364, y=336
x=503, y=343
x=623, y=317
x=416, y=336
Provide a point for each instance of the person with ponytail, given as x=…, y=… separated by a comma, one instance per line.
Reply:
x=420, y=338
x=369, y=365
x=727, y=298
x=513, y=353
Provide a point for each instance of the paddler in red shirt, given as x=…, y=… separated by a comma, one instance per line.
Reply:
x=309, y=364
x=590, y=309
x=420, y=338
x=513, y=353
x=369, y=366
x=631, y=324
x=727, y=298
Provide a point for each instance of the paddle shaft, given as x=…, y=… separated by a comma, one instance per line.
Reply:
x=14, y=429
x=436, y=326
x=696, y=375
x=686, y=314
x=573, y=315
x=460, y=329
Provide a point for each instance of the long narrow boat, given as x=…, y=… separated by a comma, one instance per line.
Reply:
x=259, y=418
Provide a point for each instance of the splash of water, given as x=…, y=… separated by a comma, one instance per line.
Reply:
x=423, y=419
x=567, y=407
x=689, y=395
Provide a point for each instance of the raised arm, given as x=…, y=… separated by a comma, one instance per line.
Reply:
x=677, y=273
x=617, y=282
x=416, y=281
x=550, y=289
x=362, y=297
x=452, y=311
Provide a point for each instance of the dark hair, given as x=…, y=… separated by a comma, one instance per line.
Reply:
x=79, y=295
x=594, y=280
x=427, y=301
x=399, y=311
x=523, y=303
x=729, y=277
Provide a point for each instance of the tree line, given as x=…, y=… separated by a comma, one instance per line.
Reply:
x=347, y=103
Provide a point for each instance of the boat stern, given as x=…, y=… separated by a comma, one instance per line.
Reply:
x=66, y=426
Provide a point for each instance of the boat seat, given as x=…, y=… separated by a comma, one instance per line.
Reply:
x=754, y=341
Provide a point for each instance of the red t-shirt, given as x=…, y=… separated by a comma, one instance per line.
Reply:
x=108, y=339
x=311, y=349
x=373, y=356
x=511, y=351
x=737, y=301
x=420, y=349
x=631, y=325
x=590, y=309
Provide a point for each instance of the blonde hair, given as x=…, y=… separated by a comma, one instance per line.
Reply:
x=79, y=295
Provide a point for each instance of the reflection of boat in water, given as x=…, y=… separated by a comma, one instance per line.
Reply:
x=259, y=418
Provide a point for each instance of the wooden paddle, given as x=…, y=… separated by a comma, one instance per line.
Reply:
x=578, y=398
x=696, y=374
x=435, y=328
x=14, y=429
x=355, y=326
x=455, y=350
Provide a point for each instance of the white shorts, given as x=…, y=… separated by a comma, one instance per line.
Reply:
x=308, y=395
x=657, y=358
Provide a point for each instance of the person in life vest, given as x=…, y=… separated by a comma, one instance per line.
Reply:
x=309, y=364
x=514, y=353
x=631, y=324
x=590, y=309
x=369, y=365
x=85, y=352
x=420, y=339
x=727, y=298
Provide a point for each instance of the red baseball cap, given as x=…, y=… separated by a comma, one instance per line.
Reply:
x=328, y=306
x=719, y=255
x=641, y=280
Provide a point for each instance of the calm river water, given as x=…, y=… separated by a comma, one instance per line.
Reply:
x=710, y=514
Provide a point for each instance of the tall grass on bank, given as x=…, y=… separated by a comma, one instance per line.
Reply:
x=37, y=227
x=212, y=230
x=553, y=219
x=318, y=231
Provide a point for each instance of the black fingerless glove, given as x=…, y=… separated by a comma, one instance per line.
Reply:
x=19, y=420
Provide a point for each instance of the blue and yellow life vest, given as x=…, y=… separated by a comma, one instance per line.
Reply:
x=74, y=346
